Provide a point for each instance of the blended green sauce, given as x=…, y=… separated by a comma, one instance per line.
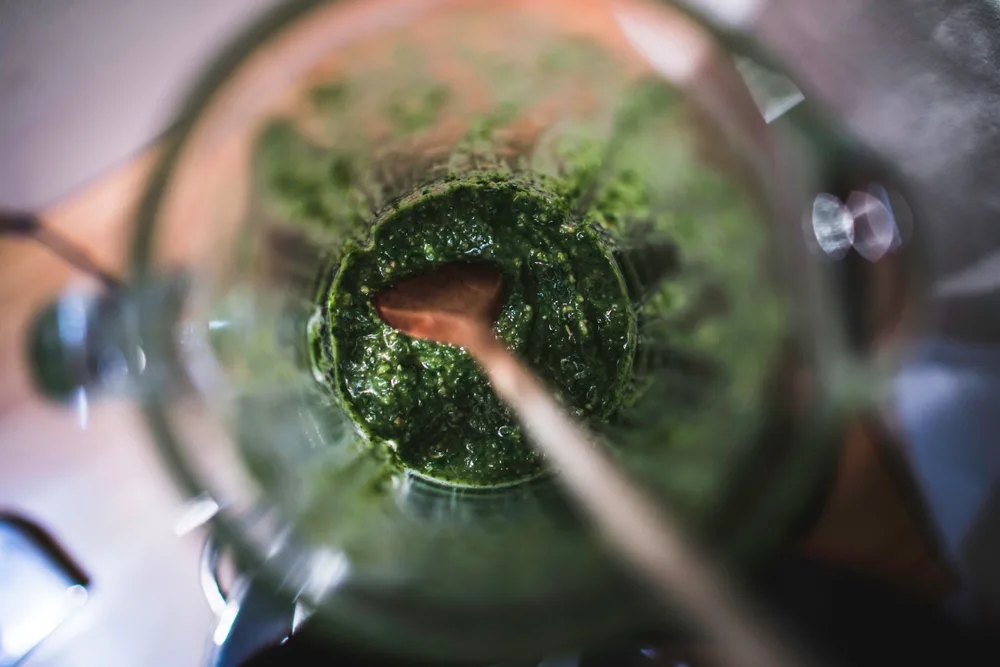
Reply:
x=553, y=128
x=566, y=313
x=398, y=161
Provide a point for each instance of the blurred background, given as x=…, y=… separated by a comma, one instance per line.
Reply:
x=88, y=86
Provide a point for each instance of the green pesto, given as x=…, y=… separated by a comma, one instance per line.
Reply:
x=566, y=313
x=685, y=238
x=409, y=114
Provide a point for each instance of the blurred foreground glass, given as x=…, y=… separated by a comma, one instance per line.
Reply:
x=326, y=115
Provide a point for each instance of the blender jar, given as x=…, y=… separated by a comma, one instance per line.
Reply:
x=325, y=117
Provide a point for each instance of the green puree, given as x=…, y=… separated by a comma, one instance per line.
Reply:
x=566, y=314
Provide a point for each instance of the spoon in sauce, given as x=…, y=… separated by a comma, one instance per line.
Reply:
x=456, y=304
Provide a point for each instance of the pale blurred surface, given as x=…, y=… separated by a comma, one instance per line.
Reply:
x=86, y=84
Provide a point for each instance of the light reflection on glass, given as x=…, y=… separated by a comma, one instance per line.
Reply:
x=868, y=222
x=82, y=406
x=833, y=226
x=879, y=192
x=874, y=226
x=72, y=322
x=196, y=513
x=327, y=569
x=676, y=59
x=226, y=621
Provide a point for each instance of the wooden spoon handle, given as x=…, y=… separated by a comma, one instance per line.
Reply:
x=635, y=528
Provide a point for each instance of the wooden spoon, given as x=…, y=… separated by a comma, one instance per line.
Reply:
x=456, y=304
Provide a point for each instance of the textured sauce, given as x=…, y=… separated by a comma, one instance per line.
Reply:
x=566, y=314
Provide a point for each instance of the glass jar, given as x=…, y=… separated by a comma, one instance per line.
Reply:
x=328, y=115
